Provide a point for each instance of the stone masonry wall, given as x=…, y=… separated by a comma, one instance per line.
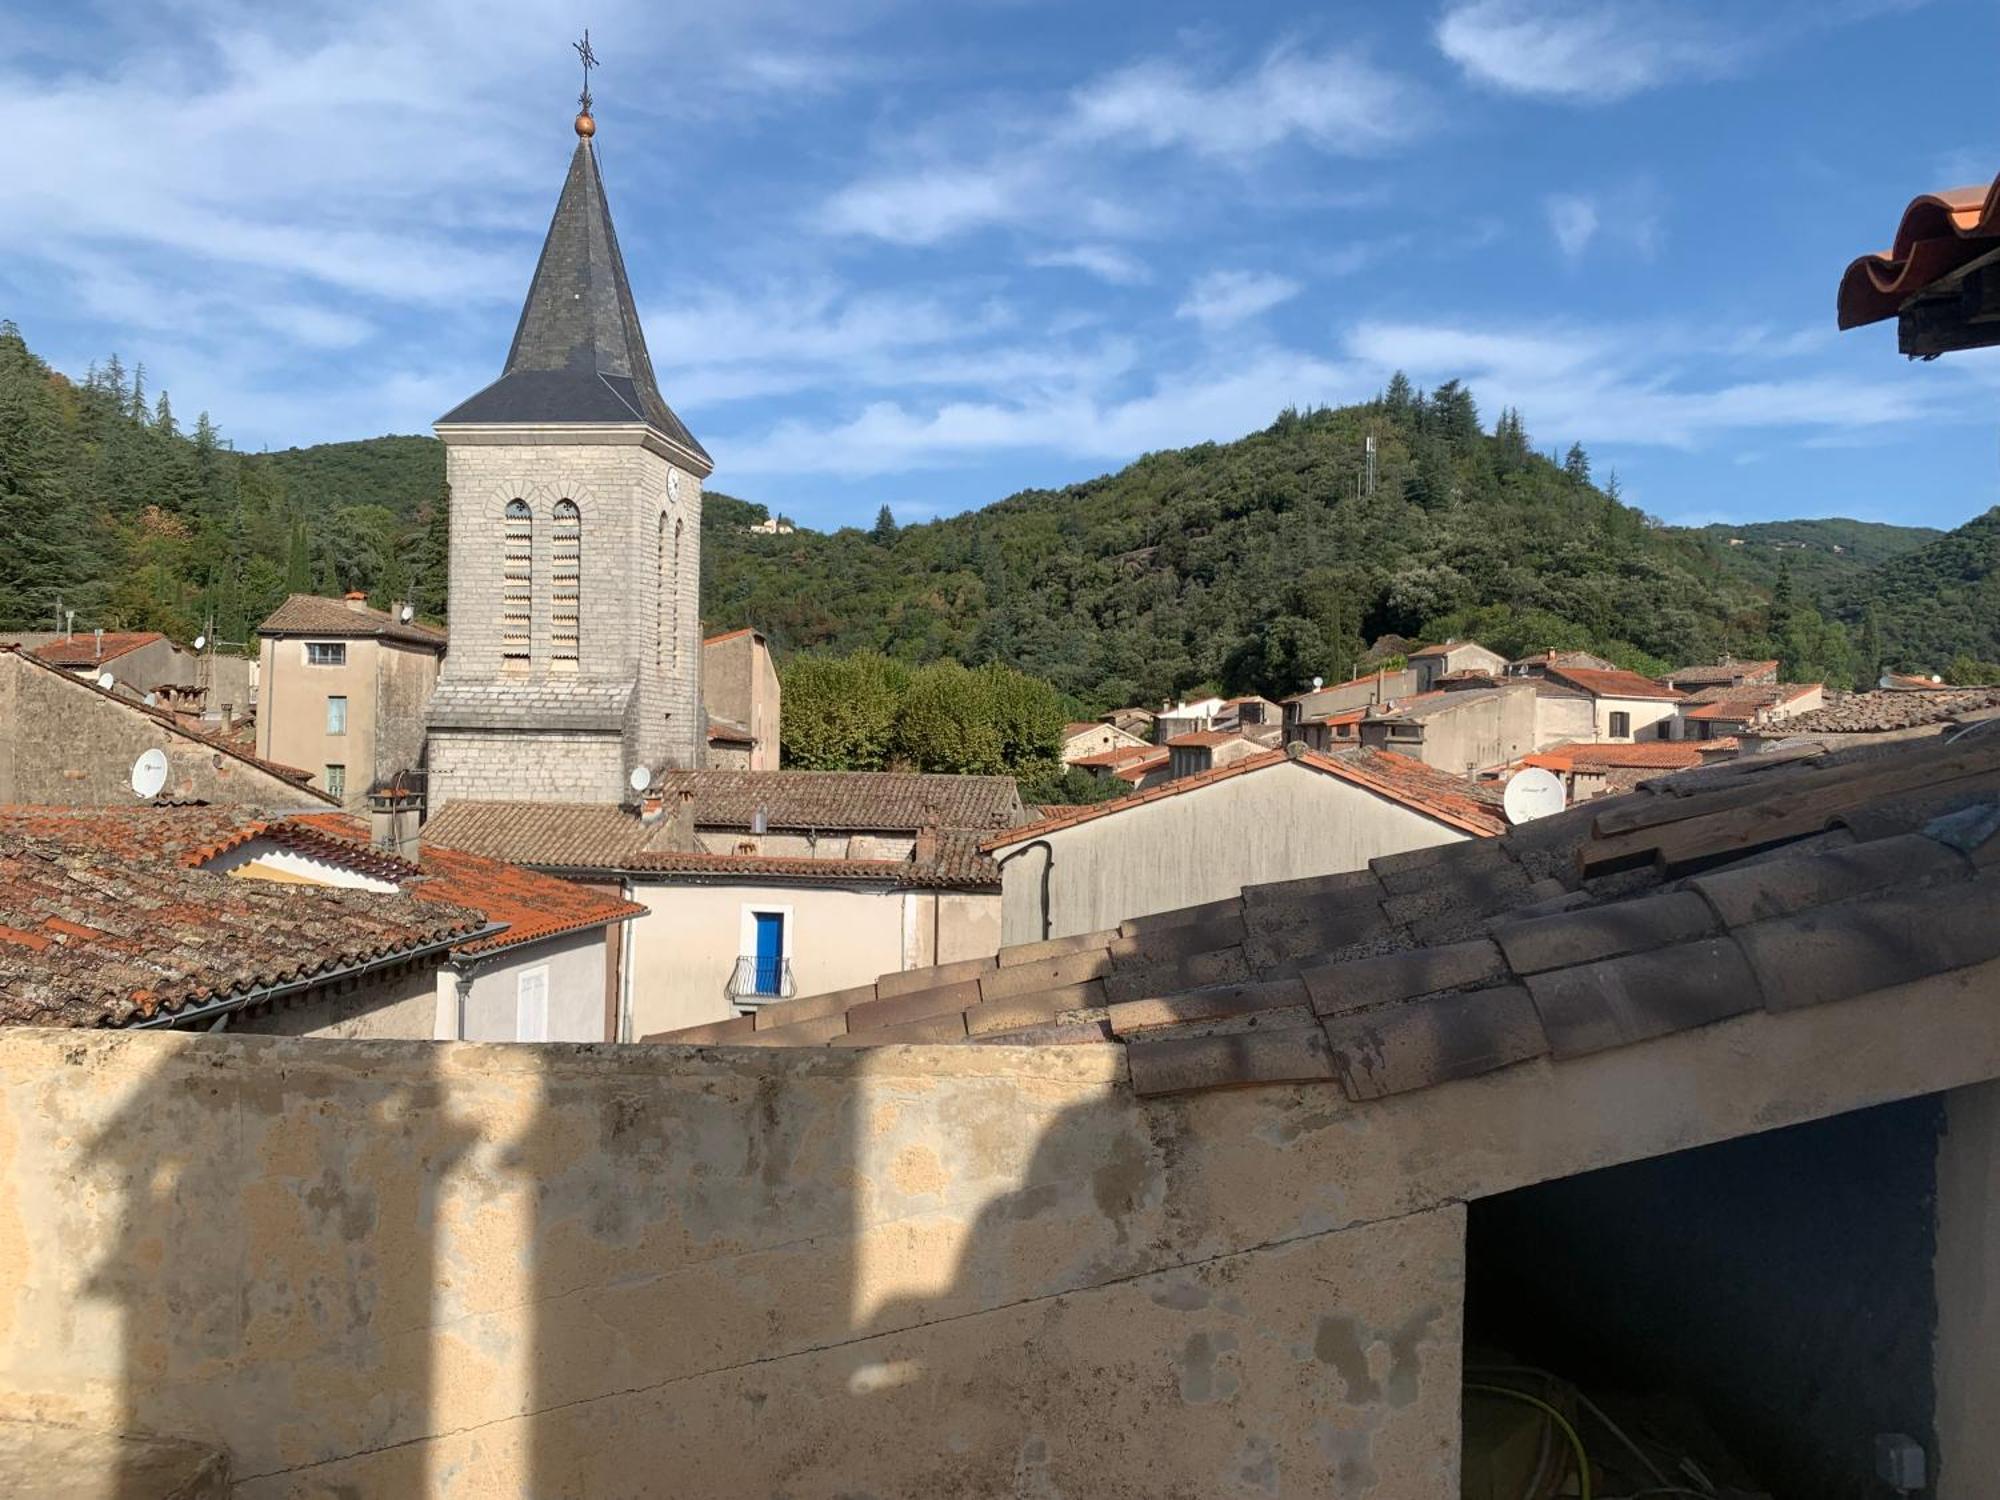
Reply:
x=622, y=490
x=547, y=767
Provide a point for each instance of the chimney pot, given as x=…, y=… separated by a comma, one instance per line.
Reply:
x=355, y=599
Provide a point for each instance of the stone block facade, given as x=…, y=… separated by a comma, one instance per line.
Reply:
x=533, y=766
x=639, y=606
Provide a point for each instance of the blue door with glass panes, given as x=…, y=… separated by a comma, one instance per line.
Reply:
x=770, y=951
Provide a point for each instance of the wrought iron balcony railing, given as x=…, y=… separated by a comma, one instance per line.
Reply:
x=762, y=978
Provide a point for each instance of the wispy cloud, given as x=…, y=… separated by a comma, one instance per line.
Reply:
x=1627, y=217
x=1572, y=220
x=1106, y=262
x=1222, y=299
x=1062, y=166
x=1597, y=51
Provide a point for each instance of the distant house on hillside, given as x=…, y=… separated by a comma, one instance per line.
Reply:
x=1458, y=729
x=1624, y=705
x=344, y=691
x=1338, y=697
x=1432, y=662
x=1725, y=673
x=1207, y=750
x=1727, y=710
x=1084, y=739
x=1134, y=721
x=1539, y=663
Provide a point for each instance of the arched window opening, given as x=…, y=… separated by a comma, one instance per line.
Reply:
x=674, y=624
x=660, y=596
x=565, y=587
x=517, y=588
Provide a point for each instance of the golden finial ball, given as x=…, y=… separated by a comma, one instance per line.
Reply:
x=585, y=126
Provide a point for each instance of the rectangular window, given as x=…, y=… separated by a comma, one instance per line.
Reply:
x=336, y=714
x=1621, y=726
x=336, y=781
x=531, y=1006
x=326, y=653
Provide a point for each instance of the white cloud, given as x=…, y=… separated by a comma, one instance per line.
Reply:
x=1106, y=262
x=1572, y=220
x=1067, y=167
x=1222, y=299
x=1588, y=50
x=1335, y=101
x=1623, y=385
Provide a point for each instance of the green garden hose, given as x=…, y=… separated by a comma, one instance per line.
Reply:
x=1568, y=1429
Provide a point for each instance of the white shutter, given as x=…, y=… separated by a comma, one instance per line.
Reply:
x=531, y=1015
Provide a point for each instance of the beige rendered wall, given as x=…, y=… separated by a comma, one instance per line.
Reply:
x=291, y=712
x=942, y=927
x=1648, y=718
x=377, y=1268
x=1561, y=720
x=1272, y=824
x=400, y=1006
x=1968, y=1294
x=686, y=946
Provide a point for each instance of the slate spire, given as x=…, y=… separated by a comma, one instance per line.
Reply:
x=579, y=354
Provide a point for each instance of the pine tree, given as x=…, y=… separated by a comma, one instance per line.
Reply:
x=163, y=416
x=884, y=530
x=298, y=565
x=1576, y=464
x=135, y=404
x=1398, y=399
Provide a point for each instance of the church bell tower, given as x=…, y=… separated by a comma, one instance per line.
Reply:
x=575, y=658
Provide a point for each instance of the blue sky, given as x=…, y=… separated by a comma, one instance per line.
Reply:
x=930, y=254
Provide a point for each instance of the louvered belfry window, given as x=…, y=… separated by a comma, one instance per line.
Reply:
x=660, y=597
x=565, y=587
x=517, y=588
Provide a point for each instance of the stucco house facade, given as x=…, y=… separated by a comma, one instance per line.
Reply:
x=1274, y=816
x=343, y=691
x=745, y=704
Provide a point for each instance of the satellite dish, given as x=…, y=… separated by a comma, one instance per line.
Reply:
x=200, y=641
x=1318, y=683
x=640, y=779
x=1531, y=794
x=149, y=773
x=106, y=681
x=407, y=614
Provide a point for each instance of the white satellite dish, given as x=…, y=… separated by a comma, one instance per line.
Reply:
x=200, y=641
x=149, y=773
x=1318, y=683
x=640, y=779
x=408, y=614
x=1531, y=794
x=105, y=680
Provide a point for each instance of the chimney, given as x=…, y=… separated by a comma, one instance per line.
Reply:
x=680, y=834
x=356, y=599
x=395, y=816
x=100, y=643
x=652, y=805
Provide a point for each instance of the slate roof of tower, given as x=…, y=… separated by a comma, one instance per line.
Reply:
x=579, y=354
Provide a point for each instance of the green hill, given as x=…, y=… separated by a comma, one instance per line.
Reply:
x=1250, y=565
x=1824, y=556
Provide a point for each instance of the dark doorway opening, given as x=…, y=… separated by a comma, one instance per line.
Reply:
x=1749, y=1314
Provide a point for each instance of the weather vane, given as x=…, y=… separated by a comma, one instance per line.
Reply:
x=589, y=61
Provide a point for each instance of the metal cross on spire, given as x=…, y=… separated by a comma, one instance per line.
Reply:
x=589, y=61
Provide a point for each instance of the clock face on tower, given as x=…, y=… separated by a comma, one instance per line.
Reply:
x=673, y=484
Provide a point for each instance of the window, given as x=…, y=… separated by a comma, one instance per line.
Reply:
x=531, y=1006
x=770, y=952
x=1621, y=726
x=336, y=781
x=326, y=653
x=336, y=714
x=660, y=596
x=674, y=603
x=517, y=587
x=565, y=586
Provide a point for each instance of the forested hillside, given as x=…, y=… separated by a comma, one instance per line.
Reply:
x=110, y=505
x=1251, y=565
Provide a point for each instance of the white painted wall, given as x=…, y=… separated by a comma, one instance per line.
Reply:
x=1277, y=823
x=1647, y=716
x=489, y=993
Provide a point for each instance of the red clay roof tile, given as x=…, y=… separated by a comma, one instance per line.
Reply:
x=1939, y=233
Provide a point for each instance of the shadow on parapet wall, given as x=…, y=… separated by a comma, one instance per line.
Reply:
x=268, y=1226
x=387, y=1268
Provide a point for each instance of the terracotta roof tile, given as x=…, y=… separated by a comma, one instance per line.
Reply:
x=1939, y=233
x=1722, y=672
x=1659, y=755
x=1203, y=737
x=728, y=635
x=857, y=801
x=1614, y=684
x=314, y=614
x=1118, y=755
x=126, y=929
x=1877, y=712
x=88, y=650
